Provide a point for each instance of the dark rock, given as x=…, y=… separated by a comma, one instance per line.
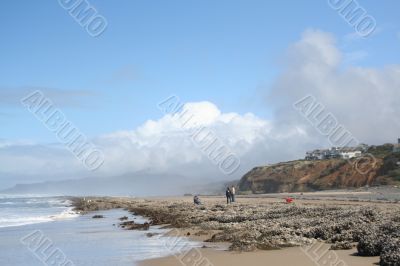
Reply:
x=342, y=246
x=131, y=225
x=97, y=216
x=127, y=223
x=370, y=245
x=390, y=255
x=201, y=233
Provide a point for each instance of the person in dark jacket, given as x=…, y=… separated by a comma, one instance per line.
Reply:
x=228, y=195
x=196, y=200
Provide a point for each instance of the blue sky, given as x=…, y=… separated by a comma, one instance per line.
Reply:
x=225, y=52
x=238, y=65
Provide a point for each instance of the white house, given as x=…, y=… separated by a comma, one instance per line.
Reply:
x=345, y=153
x=350, y=154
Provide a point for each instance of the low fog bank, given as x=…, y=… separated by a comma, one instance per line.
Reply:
x=134, y=184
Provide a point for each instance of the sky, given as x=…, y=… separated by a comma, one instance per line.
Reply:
x=238, y=65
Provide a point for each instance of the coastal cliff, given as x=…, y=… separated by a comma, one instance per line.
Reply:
x=303, y=175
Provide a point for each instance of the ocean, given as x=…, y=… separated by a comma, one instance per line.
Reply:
x=23, y=210
x=37, y=230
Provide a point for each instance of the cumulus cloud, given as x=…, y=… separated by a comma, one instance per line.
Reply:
x=168, y=143
x=364, y=100
x=158, y=146
x=165, y=145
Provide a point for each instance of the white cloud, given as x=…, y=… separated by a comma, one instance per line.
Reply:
x=166, y=144
x=364, y=100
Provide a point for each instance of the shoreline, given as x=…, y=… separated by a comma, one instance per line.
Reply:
x=266, y=225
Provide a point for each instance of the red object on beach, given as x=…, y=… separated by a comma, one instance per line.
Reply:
x=289, y=200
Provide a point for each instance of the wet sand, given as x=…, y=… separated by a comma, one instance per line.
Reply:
x=284, y=257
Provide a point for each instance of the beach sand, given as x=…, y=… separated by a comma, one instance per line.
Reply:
x=284, y=257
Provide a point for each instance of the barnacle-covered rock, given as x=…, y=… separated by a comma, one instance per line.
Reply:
x=342, y=246
x=390, y=255
x=272, y=225
x=370, y=245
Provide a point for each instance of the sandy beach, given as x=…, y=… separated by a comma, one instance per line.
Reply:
x=284, y=257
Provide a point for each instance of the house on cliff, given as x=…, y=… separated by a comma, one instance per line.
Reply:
x=396, y=147
x=348, y=154
x=334, y=152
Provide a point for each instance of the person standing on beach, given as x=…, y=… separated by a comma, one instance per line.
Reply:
x=228, y=195
x=233, y=192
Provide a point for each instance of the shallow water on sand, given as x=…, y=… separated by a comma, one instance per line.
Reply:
x=86, y=241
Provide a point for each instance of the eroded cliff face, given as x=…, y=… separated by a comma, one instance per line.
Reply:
x=302, y=176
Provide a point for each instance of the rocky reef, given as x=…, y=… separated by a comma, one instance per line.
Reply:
x=252, y=225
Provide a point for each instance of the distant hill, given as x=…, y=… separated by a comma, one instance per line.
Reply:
x=302, y=175
x=133, y=184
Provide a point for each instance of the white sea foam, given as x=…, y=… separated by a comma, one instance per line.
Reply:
x=24, y=210
x=66, y=214
x=18, y=221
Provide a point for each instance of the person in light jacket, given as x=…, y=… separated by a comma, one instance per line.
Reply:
x=233, y=192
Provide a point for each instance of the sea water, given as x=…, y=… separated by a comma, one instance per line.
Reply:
x=22, y=210
x=82, y=239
